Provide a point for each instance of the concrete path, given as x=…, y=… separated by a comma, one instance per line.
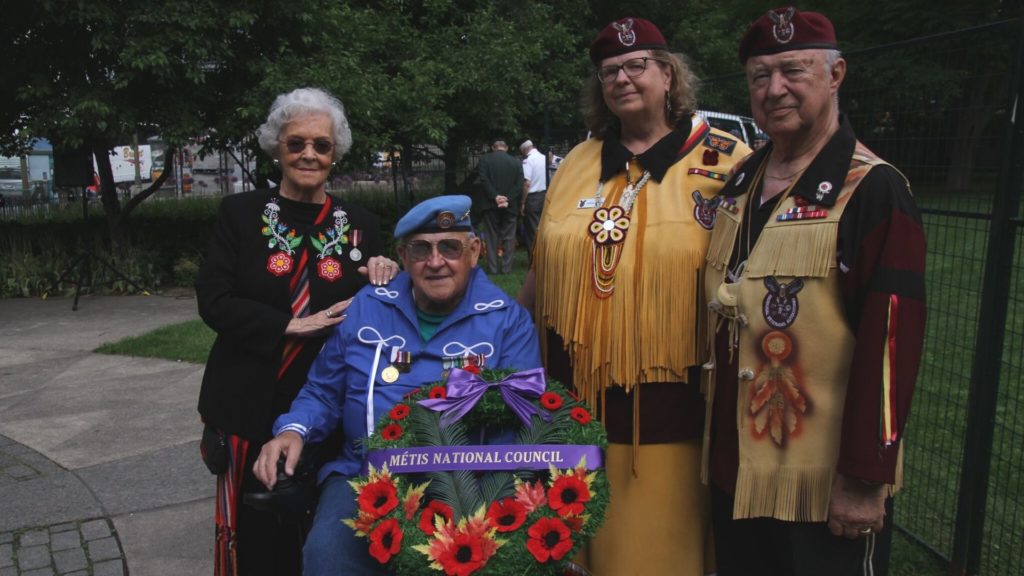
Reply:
x=99, y=460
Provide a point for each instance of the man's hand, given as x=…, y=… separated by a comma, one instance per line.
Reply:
x=288, y=443
x=855, y=509
x=501, y=201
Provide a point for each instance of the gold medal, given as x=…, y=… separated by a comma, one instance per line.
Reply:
x=389, y=374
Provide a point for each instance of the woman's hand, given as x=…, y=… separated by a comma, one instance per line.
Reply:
x=319, y=323
x=380, y=270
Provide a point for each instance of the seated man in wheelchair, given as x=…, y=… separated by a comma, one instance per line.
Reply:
x=439, y=313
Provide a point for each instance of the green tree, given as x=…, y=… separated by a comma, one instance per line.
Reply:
x=92, y=74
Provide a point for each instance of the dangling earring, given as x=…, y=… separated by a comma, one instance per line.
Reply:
x=277, y=162
x=668, y=104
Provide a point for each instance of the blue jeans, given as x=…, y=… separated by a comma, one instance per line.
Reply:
x=333, y=548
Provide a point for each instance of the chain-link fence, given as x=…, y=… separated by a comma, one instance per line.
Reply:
x=942, y=109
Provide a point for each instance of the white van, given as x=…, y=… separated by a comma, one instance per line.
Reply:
x=742, y=127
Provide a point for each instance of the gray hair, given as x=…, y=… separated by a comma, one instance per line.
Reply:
x=305, y=102
x=831, y=57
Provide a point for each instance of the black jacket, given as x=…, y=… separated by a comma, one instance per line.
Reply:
x=249, y=307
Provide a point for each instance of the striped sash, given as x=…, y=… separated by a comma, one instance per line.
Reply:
x=299, y=286
x=226, y=516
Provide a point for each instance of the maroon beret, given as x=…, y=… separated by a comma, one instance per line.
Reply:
x=626, y=35
x=785, y=29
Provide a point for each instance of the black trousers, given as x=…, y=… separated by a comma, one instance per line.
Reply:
x=769, y=547
x=531, y=219
x=500, y=232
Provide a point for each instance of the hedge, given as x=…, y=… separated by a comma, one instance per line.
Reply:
x=165, y=245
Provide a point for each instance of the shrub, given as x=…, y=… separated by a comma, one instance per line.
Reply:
x=165, y=244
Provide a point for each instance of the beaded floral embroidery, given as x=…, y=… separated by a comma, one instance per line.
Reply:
x=330, y=243
x=283, y=238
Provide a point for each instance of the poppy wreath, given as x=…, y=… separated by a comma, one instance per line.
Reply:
x=431, y=502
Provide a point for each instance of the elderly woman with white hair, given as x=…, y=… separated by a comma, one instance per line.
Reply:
x=280, y=270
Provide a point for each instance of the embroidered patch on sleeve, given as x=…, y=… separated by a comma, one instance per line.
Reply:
x=720, y=143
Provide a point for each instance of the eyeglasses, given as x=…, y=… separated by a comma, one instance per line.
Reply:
x=420, y=250
x=320, y=145
x=632, y=67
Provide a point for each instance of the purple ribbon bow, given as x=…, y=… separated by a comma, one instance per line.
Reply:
x=465, y=389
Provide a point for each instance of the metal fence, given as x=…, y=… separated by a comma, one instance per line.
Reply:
x=945, y=110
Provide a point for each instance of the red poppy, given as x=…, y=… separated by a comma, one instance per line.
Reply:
x=437, y=392
x=567, y=495
x=399, y=411
x=580, y=415
x=434, y=508
x=385, y=540
x=549, y=539
x=463, y=555
x=472, y=368
x=391, y=432
x=378, y=498
x=551, y=400
x=506, y=515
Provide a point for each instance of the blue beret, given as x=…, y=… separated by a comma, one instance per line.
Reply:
x=437, y=214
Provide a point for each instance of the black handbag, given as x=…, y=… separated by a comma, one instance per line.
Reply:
x=213, y=448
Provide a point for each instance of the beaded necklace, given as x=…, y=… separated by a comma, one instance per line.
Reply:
x=608, y=230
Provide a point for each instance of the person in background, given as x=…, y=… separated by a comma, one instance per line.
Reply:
x=502, y=178
x=615, y=292
x=535, y=185
x=280, y=270
x=816, y=285
x=441, y=313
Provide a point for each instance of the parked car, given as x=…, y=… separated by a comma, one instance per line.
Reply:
x=742, y=127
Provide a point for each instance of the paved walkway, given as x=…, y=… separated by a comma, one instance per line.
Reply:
x=99, y=460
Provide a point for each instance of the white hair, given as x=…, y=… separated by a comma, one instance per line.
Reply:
x=305, y=102
x=831, y=57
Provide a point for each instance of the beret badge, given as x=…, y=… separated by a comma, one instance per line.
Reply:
x=782, y=25
x=625, y=29
x=445, y=219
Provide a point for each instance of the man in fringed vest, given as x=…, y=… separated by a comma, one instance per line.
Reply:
x=815, y=284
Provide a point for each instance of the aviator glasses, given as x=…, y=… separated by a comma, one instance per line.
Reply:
x=320, y=145
x=632, y=67
x=420, y=250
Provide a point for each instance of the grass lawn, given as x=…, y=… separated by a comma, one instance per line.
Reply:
x=191, y=341
x=188, y=341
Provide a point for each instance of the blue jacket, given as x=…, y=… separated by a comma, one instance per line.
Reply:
x=487, y=321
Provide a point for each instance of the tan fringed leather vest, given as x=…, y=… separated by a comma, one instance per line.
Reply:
x=795, y=348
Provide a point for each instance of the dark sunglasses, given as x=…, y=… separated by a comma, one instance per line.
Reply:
x=320, y=145
x=420, y=250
